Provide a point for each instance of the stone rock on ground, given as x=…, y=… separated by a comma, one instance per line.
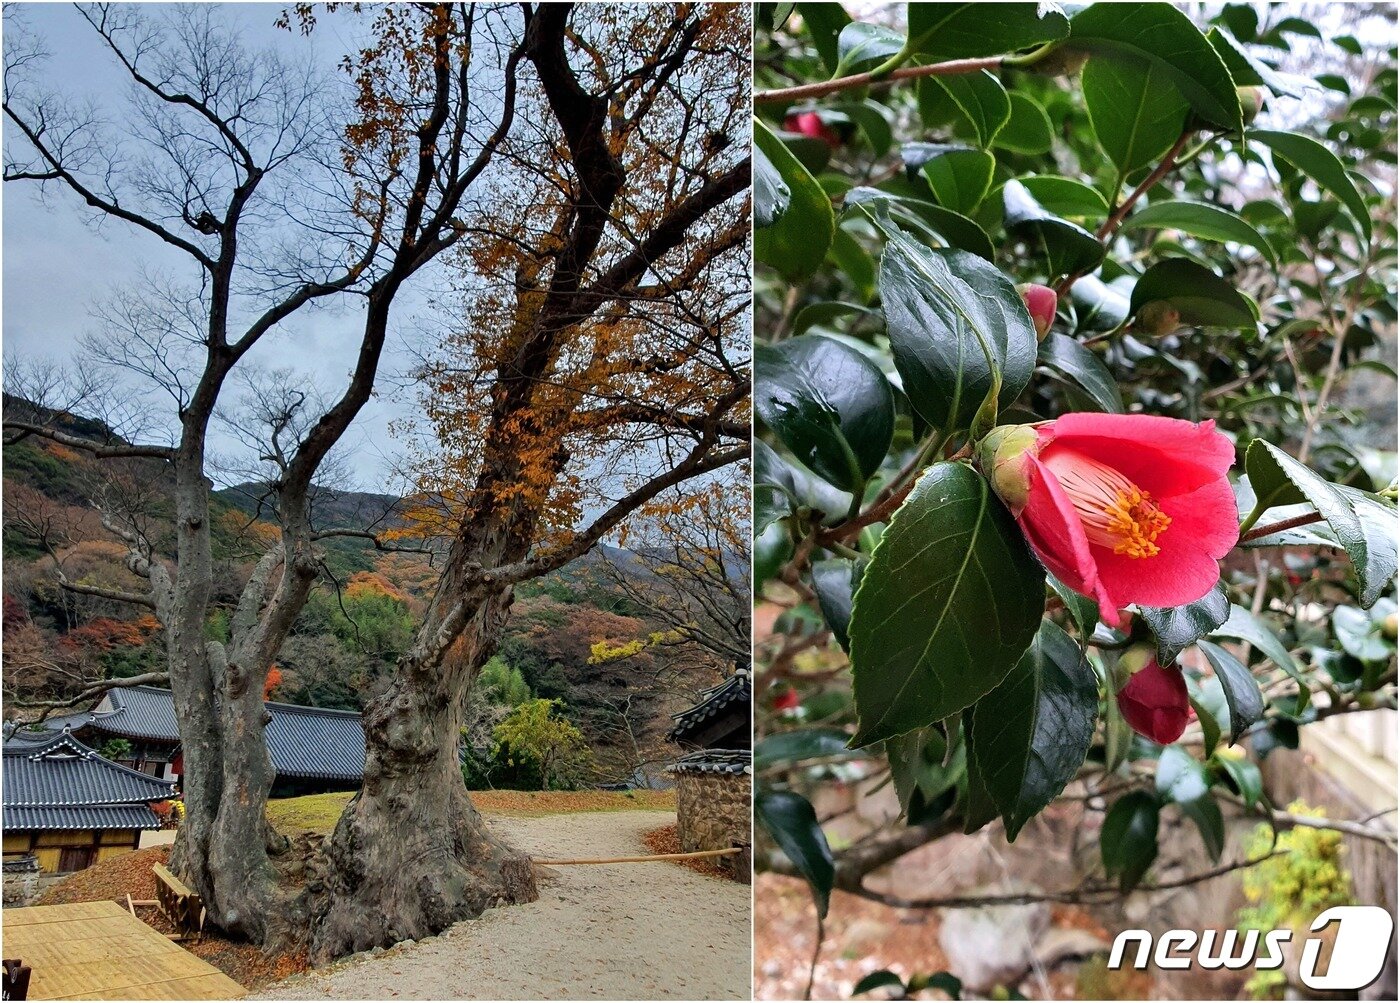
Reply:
x=993, y=945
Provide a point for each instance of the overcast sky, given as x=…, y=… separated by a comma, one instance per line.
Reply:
x=57, y=266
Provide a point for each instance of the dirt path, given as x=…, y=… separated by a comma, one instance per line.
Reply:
x=604, y=931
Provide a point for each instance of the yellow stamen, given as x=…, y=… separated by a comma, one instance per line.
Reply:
x=1114, y=511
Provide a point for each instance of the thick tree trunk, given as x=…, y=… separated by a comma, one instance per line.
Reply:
x=410, y=856
x=248, y=898
x=192, y=681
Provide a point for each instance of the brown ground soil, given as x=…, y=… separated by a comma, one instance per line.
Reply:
x=130, y=874
x=863, y=937
x=666, y=839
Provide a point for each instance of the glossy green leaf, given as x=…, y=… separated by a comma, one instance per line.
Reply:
x=970, y=30
x=1320, y=164
x=770, y=193
x=1250, y=71
x=1136, y=113
x=873, y=119
x=922, y=769
x=977, y=103
x=1098, y=306
x=959, y=179
x=1083, y=610
x=1066, y=197
x=954, y=322
x=1186, y=782
x=792, y=823
x=1242, y=625
x=924, y=216
x=1161, y=36
x=1083, y=368
x=772, y=548
x=1248, y=782
x=1028, y=130
x=847, y=254
x=978, y=808
x=950, y=601
x=1360, y=633
x=835, y=583
x=773, y=494
x=1242, y=694
x=1201, y=297
x=1210, y=724
x=824, y=22
x=824, y=312
x=1069, y=248
x=883, y=979
x=799, y=746
x=1033, y=732
x=796, y=242
x=1200, y=220
x=1358, y=523
x=828, y=403
x=1128, y=839
x=1178, y=627
x=861, y=44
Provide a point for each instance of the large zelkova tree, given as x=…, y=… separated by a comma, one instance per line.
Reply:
x=595, y=368
x=1014, y=260
x=243, y=166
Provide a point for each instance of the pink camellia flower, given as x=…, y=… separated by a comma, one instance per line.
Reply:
x=809, y=123
x=1121, y=508
x=1040, y=301
x=1154, y=702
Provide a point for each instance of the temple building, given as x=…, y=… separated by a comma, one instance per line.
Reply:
x=714, y=776
x=68, y=807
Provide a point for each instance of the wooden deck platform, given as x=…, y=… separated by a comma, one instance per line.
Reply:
x=99, y=951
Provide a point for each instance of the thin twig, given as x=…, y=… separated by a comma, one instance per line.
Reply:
x=816, y=953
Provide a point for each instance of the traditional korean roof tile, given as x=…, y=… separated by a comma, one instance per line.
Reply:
x=304, y=742
x=733, y=696
x=733, y=761
x=101, y=816
x=62, y=784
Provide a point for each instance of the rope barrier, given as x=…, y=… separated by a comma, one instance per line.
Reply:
x=638, y=860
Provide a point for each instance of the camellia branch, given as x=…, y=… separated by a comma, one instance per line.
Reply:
x=951, y=68
x=1278, y=527
x=1115, y=219
x=1096, y=893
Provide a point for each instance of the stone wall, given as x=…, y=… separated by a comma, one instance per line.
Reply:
x=21, y=880
x=714, y=812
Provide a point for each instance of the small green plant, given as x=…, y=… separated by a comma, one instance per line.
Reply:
x=1288, y=890
x=115, y=749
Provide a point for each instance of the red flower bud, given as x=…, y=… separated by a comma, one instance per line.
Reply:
x=787, y=700
x=1154, y=702
x=809, y=123
x=1040, y=301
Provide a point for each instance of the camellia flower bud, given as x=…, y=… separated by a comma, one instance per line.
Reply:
x=1041, y=302
x=809, y=123
x=1158, y=317
x=1153, y=701
x=1251, y=102
x=1004, y=456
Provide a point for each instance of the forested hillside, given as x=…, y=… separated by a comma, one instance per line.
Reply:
x=361, y=615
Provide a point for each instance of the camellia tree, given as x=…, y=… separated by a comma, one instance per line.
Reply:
x=1062, y=327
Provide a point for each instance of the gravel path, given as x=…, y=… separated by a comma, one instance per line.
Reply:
x=598, y=931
